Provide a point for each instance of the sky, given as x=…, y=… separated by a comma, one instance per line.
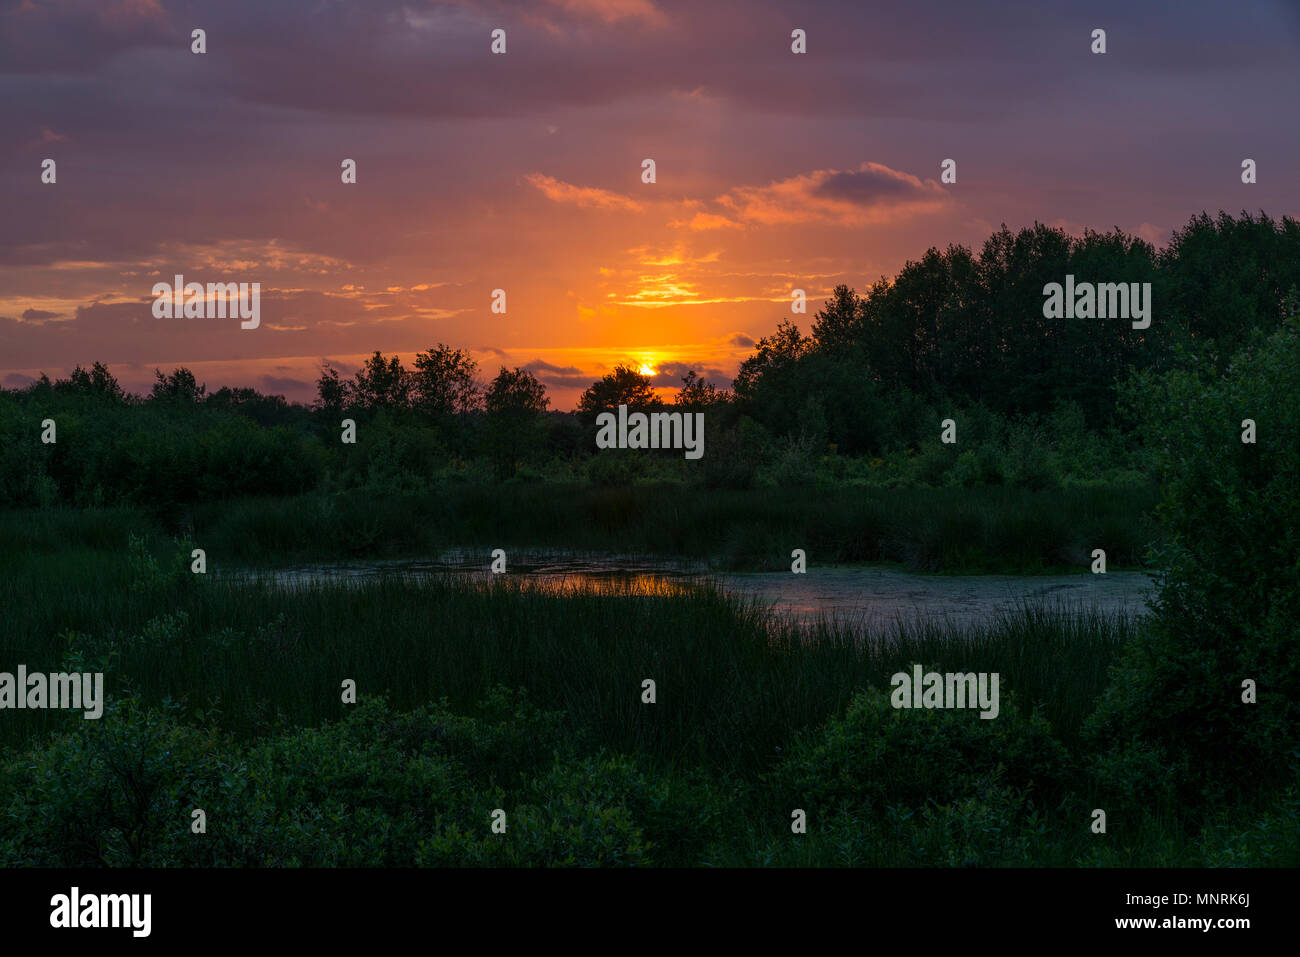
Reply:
x=522, y=171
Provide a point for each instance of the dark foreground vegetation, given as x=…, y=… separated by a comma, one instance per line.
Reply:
x=985, y=530
x=227, y=697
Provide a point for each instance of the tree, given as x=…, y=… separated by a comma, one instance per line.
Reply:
x=516, y=394
x=180, y=386
x=515, y=401
x=698, y=395
x=382, y=384
x=333, y=394
x=840, y=322
x=97, y=382
x=1228, y=276
x=1228, y=596
x=445, y=382
x=776, y=355
x=265, y=410
x=623, y=386
x=767, y=384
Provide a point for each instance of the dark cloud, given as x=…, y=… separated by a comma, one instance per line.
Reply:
x=874, y=185
x=293, y=322
x=393, y=57
x=671, y=374
x=40, y=314
x=539, y=365
x=282, y=384
x=566, y=376
x=345, y=369
x=81, y=35
x=740, y=339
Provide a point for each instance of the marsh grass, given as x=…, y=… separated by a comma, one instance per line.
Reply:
x=994, y=530
x=739, y=691
x=733, y=682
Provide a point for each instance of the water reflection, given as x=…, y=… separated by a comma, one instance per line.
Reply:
x=868, y=597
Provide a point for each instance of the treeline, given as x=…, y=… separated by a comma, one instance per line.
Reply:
x=856, y=399
x=84, y=441
x=964, y=329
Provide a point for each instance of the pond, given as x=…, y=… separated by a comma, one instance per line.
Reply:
x=869, y=596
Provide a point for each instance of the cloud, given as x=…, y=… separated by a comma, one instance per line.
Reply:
x=293, y=322
x=1155, y=235
x=678, y=255
x=46, y=137
x=612, y=11
x=742, y=340
x=872, y=193
x=38, y=314
x=702, y=221
x=343, y=368
x=559, y=375
x=542, y=365
x=669, y=375
x=285, y=384
x=587, y=197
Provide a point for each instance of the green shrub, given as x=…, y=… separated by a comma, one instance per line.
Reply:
x=378, y=788
x=116, y=792
x=733, y=457
x=1229, y=592
x=616, y=468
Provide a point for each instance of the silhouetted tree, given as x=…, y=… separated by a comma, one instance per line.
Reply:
x=698, y=395
x=515, y=402
x=263, y=409
x=444, y=382
x=333, y=394
x=840, y=322
x=382, y=383
x=97, y=382
x=623, y=386
x=180, y=386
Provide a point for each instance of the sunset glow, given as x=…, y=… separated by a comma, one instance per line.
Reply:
x=524, y=173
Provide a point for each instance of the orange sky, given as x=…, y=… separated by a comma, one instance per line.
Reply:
x=523, y=172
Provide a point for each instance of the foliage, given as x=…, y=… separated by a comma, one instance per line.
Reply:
x=1229, y=589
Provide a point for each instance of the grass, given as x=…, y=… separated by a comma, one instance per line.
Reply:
x=981, y=530
x=736, y=682
x=251, y=674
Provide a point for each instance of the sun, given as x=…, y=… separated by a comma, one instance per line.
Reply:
x=647, y=369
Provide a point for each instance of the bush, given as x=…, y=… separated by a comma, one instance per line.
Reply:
x=930, y=786
x=1229, y=593
x=733, y=457
x=116, y=792
x=375, y=789
x=616, y=468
